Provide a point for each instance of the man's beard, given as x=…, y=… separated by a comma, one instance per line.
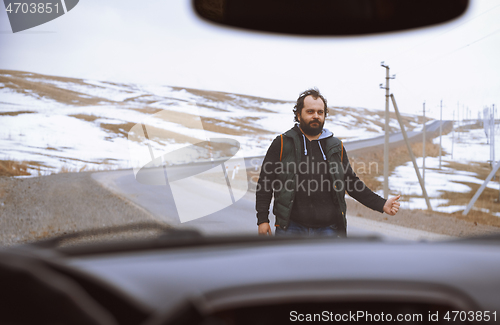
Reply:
x=310, y=130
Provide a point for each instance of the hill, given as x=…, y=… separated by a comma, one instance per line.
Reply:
x=53, y=124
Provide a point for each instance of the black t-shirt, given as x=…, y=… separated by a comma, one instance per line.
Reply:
x=313, y=205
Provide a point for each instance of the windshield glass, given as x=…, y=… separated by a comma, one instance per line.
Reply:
x=121, y=113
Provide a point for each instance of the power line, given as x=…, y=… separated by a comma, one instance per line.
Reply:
x=492, y=33
x=445, y=32
x=450, y=53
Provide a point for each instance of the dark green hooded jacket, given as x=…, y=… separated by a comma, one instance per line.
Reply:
x=280, y=177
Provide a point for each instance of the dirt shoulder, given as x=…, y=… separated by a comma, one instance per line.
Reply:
x=42, y=207
x=435, y=222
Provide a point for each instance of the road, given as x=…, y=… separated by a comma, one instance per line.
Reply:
x=396, y=139
x=202, y=195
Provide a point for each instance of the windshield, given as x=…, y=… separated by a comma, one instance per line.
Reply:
x=121, y=113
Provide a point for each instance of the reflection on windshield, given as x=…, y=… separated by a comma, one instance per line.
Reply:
x=170, y=125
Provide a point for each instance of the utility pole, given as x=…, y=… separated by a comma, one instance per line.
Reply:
x=410, y=151
x=490, y=136
x=486, y=125
x=453, y=135
x=423, y=151
x=440, y=130
x=492, y=142
x=386, y=143
x=481, y=189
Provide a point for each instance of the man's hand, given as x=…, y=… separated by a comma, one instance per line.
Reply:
x=391, y=206
x=265, y=229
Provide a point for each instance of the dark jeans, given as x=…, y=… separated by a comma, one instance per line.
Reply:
x=295, y=229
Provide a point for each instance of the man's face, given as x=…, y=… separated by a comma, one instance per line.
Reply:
x=312, y=116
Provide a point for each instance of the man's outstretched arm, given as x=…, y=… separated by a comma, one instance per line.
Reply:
x=358, y=190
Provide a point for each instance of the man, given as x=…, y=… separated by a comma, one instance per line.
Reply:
x=308, y=172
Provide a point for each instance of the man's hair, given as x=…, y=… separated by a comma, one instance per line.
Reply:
x=297, y=109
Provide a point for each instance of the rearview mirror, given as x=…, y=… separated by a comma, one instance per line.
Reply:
x=329, y=17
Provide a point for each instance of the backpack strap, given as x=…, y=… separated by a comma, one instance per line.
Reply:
x=342, y=152
x=281, y=152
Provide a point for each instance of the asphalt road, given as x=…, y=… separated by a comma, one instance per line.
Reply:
x=208, y=198
x=396, y=139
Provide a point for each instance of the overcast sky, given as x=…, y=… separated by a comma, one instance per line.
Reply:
x=162, y=42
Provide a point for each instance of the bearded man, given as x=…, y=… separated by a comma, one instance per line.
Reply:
x=307, y=171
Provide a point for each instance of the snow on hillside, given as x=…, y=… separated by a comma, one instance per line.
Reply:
x=54, y=122
x=466, y=147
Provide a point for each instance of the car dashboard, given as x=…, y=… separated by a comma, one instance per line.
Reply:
x=255, y=280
